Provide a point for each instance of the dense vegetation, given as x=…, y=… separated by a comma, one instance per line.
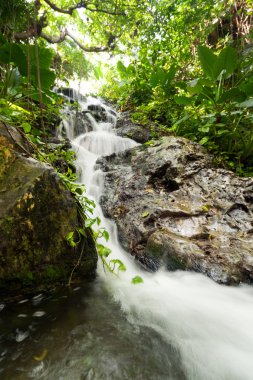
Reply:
x=191, y=75
x=189, y=70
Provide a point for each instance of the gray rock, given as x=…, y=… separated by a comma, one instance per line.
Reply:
x=126, y=128
x=36, y=214
x=173, y=208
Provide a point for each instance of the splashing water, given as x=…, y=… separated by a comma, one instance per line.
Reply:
x=208, y=324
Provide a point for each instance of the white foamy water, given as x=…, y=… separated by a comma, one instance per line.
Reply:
x=209, y=324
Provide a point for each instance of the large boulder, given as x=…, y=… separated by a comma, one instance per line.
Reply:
x=173, y=208
x=36, y=214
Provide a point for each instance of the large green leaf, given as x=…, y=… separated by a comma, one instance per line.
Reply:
x=47, y=78
x=208, y=61
x=233, y=94
x=162, y=77
x=13, y=53
x=14, y=79
x=45, y=56
x=247, y=86
x=46, y=97
x=184, y=100
x=227, y=62
x=123, y=72
x=98, y=72
x=158, y=76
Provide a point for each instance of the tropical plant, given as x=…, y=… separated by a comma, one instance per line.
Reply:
x=218, y=105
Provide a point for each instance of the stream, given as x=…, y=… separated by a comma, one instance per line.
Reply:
x=173, y=326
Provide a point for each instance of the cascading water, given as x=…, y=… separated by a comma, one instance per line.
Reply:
x=174, y=326
x=208, y=325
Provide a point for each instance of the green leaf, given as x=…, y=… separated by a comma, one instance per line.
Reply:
x=103, y=251
x=45, y=56
x=247, y=86
x=204, y=140
x=204, y=128
x=79, y=190
x=47, y=78
x=98, y=72
x=121, y=265
x=12, y=53
x=226, y=61
x=223, y=132
x=105, y=234
x=208, y=61
x=183, y=100
x=70, y=235
x=145, y=214
x=82, y=232
x=70, y=239
x=89, y=222
x=123, y=72
x=45, y=97
x=14, y=79
x=233, y=94
x=26, y=127
x=137, y=280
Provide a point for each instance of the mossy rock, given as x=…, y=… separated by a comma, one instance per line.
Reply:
x=36, y=214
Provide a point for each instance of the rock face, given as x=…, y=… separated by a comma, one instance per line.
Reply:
x=173, y=208
x=126, y=128
x=36, y=214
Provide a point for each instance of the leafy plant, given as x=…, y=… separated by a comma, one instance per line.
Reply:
x=218, y=106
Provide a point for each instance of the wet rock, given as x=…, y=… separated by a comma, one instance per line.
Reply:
x=36, y=214
x=79, y=121
x=126, y=128
x=173, y=208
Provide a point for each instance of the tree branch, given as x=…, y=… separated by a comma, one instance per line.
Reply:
x=85, y=48
x=68, y=11
x=34, y=31
x=82, y=4
x=65, y=33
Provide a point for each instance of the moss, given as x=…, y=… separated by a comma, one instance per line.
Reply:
x=33, y=231
x=26, y=278
x=53, y=273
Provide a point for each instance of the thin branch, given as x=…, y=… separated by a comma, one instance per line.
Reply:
x=54, y=39
x=82, y=4
x=65, y=33
x=68, y=11
x=96, y=49
x=33, y=32
x=114, y=13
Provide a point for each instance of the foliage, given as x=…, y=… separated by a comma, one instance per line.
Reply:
x=137, y=280
x=218, y=106
x=182, y=86
x=86, y=209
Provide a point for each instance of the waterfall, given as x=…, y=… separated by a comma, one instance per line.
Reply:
x=209, y=325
